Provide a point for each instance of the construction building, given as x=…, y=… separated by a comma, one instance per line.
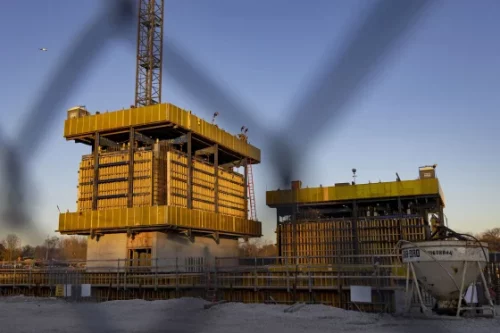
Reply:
x=159, y=183
x=328, y=224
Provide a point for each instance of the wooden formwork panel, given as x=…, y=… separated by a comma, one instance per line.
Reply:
x=319, y=242
x=114, y=178
x=231, y=186
x=160, y=177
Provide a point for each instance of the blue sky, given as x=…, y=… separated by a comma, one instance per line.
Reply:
x=436, y=99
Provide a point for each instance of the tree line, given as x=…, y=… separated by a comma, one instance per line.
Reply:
x=75, y=248
x=261, y=248
x=53, y=248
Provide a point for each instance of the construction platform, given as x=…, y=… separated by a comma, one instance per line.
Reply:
x=356, y=219
x=164, y=121
x=159, y=180
x=259, y=282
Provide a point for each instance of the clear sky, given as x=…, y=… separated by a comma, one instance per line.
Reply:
x=435, y=101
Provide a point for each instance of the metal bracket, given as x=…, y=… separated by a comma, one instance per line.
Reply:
x=216, y=237
x=205, y=151
x=131, y=234
x=103, y=141
x=144, y=139
x=95, y=235
x=179, y=140
x=189, y=234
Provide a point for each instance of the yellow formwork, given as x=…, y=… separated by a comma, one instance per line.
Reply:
x=156, y=115
x=418, y=187
x=156, y=216
x=143, y=180
x=320, y=242
x=231, y=187
x=160, y=177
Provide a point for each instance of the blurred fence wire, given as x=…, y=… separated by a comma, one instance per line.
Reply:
x=338, y=79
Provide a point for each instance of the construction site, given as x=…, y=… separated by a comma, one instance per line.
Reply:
x=165, y=198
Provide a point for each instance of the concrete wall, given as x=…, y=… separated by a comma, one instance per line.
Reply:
x=191, y=254
x=174, y=252
x=103, y=254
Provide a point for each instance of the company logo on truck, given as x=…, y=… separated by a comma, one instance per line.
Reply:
x=411, y=253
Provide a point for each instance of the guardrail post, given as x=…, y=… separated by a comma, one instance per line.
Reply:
x=117, y=274
x=309, y=277
x=287, y=275
x=177, y=274
x=125, y=270
x=156, y=274
x=30, y=276
x=255, y=274
x=215, y=277
x=14, y=280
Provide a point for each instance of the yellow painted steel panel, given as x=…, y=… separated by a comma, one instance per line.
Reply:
x=156, y=216
x=157, y=114
x=403, y=188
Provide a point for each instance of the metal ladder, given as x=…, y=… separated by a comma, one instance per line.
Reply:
x=251, y=194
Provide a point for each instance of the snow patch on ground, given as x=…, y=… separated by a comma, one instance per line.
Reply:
x=28, y=314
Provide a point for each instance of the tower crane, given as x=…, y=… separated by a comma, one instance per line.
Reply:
x=149, y=52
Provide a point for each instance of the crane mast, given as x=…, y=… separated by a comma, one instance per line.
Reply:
x=149, y=52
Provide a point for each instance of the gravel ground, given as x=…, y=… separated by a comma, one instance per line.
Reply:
x=26, y=314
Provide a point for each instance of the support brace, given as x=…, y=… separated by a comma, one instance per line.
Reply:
x=189, y=235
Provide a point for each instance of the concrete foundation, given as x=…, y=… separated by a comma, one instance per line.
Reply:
x=161, y=251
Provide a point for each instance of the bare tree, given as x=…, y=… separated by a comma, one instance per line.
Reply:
x=258, y=248
x=2, y=251
x=28, y=251
x=492, y=237
x=73, y=248
x=12, y=243
x=51, y=244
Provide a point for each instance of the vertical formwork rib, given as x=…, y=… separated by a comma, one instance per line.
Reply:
x=130, y=194
x=355, y=240
x=149, y=52
x=190, y=170
x=216, y=179
x=400, y=215
x=95, y=181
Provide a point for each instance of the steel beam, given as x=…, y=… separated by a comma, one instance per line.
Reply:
x=95, y=188
x=144, y=139
x=108, y=143
x=206, y=151
x=216, y=180
x=190, y=171
x=131, y=151
x=180, y=140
